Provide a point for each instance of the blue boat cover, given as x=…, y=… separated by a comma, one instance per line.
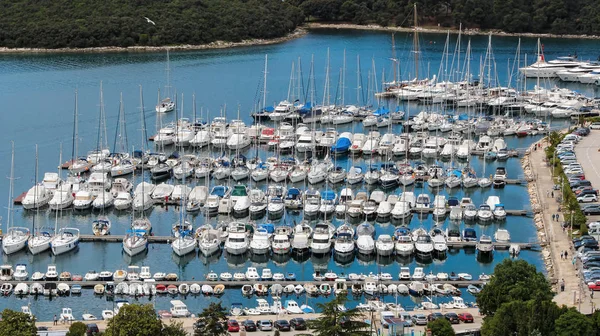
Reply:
x=267, y=226
x=341, y=145
x=328, y=195
x=219, y=191
x=381, y=111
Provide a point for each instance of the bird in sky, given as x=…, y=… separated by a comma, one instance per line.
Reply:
x=149, y=21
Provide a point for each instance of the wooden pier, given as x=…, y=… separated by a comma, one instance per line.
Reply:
x=508, y=212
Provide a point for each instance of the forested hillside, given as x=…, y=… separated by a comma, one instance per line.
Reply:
x=95, y=23
x=515, y=16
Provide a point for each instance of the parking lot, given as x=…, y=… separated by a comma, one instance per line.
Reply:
x=589, y=158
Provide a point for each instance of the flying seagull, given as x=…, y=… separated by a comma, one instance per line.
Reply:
x=149, y=21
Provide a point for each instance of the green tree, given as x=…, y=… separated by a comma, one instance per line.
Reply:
x=173, y=329
x=334, y=322
x=17, y=324
x=211, y=320
x=573, y=323
x=513, y=281
x=441, y=327
x=134, y=320
x=77, y=329
x=522, y=318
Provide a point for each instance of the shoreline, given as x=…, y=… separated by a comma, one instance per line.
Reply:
x=299, y=32
x=441, y=30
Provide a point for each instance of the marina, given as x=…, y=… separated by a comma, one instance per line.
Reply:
x=437, y=172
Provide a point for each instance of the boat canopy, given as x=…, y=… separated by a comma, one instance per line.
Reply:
x=381, y=111
x=239, y=190
x=328, y=195
x=269, y=227
x=292, y=193
x=219, y=191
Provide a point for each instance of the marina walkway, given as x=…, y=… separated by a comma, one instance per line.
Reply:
x=415, y=330
x=557, y=238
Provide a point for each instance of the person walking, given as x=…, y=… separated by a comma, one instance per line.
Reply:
x=55, y=320
x=553, y=217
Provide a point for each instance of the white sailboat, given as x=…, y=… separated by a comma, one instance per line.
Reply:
x=16, y=237
x=166, y=105
x=40, y=240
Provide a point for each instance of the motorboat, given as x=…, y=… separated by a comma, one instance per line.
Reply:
x=237, y=241
x=355, y=175
x=469, y=235
x=401, y=210
x=67, y=239
x=502, y=236
x=439, y=241
x=36, y=197
x=179, y=309
x=364, y=238
x=424, y=245
x=485, y=244
x=328, y=202
x=300, y=241
x=83, y=200
x=62, y=199
x=404, y=244
x=293, y=199
x=470, y=212
x=281, y=241
x=312, y=203
x=499, y=212
x=260, y=242
x=484, y=213
x=20, y=273
x=66, y=315
x=321, y=240
x=384, y=245
x=344, y=241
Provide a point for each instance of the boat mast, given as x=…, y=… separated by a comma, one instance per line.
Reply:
x=9, y=217
x=357, y=82
x=143, y=151
x=326, y=88
x=416, y=43
x=265, y=83
x=168, y=70
x=37, y=209
x=75, y=152
x=344, y=77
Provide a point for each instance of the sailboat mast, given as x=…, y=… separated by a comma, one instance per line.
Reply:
x=416, y=43
x=168, y=70
x=344, y=78
x=75, y=133
x=357, y=81
x=265, y=83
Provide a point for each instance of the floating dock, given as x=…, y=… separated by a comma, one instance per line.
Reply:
x=169, y=239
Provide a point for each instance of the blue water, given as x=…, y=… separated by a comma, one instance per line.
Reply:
x=38, y=97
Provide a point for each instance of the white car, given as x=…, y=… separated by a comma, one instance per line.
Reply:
x=574, y=170
x=595, y=125
x=587, y=198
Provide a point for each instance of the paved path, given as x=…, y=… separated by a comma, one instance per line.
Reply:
x=575, y=293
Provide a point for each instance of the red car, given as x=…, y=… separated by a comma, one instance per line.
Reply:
x=465, y=317
x=233, y=326
x=594, y=285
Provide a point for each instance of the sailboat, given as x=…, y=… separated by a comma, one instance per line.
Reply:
x=166, y=105
x=136, y=240
x=185, y=242
x=78, y=165
x=16, y=237
x=40, y=241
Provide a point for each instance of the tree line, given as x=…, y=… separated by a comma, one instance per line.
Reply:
x=514, y=16
x=93, y=23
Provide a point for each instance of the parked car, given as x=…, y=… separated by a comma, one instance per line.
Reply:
x=589, y=198
x=435, y=316
x=282, y=325
x=233, y=326
x=594, y=285
x=419, y=319
x=249, y=325
x=265, y=325
x=591, y=209
x=452, y=317
x=573, y=170
x=595, y=125
x=298, y=323
x=92, y=329
x=465, y=317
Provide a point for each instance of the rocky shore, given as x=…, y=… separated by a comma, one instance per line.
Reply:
x=537, y=208
x=185, y=47
x=438, y=30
